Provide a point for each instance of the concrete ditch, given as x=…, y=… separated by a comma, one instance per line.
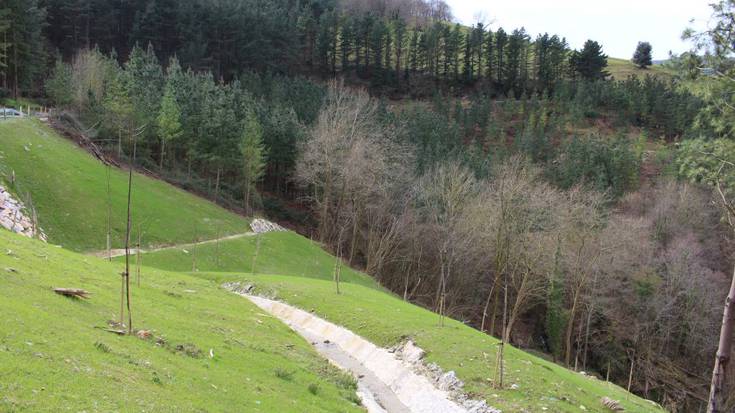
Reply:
x=389, y=380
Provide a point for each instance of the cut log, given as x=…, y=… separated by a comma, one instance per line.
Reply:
x=72, y=292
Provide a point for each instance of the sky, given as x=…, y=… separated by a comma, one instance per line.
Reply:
x=617, y=24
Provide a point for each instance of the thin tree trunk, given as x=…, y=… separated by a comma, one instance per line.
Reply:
x=188, y=168
x=127, y=238
x=255, y=256
x=499, y=367
x=717, y=394
x=247, y=197
x=109, y=217
x=405, y=286
x=337, y=265
x=138, y=258
x=216, y=185
x=487, y=305
x=630, y=375
x=194, y=252
x=587, y=337
x=570, y=328
x=353, y=239
x=216, y=253
x=163, y=151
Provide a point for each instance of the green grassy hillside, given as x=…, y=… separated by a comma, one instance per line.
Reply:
x=56, y=356
x=387, y=320
x=621, y=69
x=280, y=253
x=69, y=190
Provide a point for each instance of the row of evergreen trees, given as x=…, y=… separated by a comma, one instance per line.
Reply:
x=213, y=136
x=22, y=46
x=389, y=48
x=194, y=124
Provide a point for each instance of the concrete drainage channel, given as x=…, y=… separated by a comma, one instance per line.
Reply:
x=392, y=381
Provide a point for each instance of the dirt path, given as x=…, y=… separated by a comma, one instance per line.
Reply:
x=119, y=252
x=386, y=383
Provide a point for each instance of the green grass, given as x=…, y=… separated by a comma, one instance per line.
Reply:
x=621, y=69
x=56, y=356
x=69, y=190
x=280, y=253
x=387, y=320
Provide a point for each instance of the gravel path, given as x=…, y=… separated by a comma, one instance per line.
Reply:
x=119, y=252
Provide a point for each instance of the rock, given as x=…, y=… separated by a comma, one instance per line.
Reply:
x=238, y=287
x=261, y=226
x=449, y=381
x=611, y=404
x=14, y=219
x=411, y=353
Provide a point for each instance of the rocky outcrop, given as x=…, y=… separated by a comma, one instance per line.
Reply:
x=14, y=218
x=261, y=226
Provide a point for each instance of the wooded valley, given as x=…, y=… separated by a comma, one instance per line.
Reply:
x=495, y=176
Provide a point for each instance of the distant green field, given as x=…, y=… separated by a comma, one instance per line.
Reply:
x=56, y=356
x=621, y=69
x=280, y=253
x=69, y=189
x=387, y=320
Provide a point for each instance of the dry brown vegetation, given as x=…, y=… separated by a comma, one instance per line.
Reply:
x=632, y=291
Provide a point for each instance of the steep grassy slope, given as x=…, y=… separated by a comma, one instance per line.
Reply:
x=621, y=69
x=386, y=320
x=69, y=189
x=56, y=356
x=279, y=253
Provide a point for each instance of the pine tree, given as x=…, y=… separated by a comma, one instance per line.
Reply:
x=501, y=40
x=590, y=62
x=253, y=156
x=489, y=56
x=24, y=45
x=144, y=83
x=4, y=43
x=118, y=107
x=346, y=39
x=169, y=120
x=59, y=85
x=399, y=28
x=642, y=56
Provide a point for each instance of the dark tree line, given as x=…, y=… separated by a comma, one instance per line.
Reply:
x=22, y=46
x=404, y=45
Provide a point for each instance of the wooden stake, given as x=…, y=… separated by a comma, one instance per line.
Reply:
x=194, y=252
x=127, y=231
x=138, y=258
x=109, y=217
x=216, y=254
x=257, y=251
